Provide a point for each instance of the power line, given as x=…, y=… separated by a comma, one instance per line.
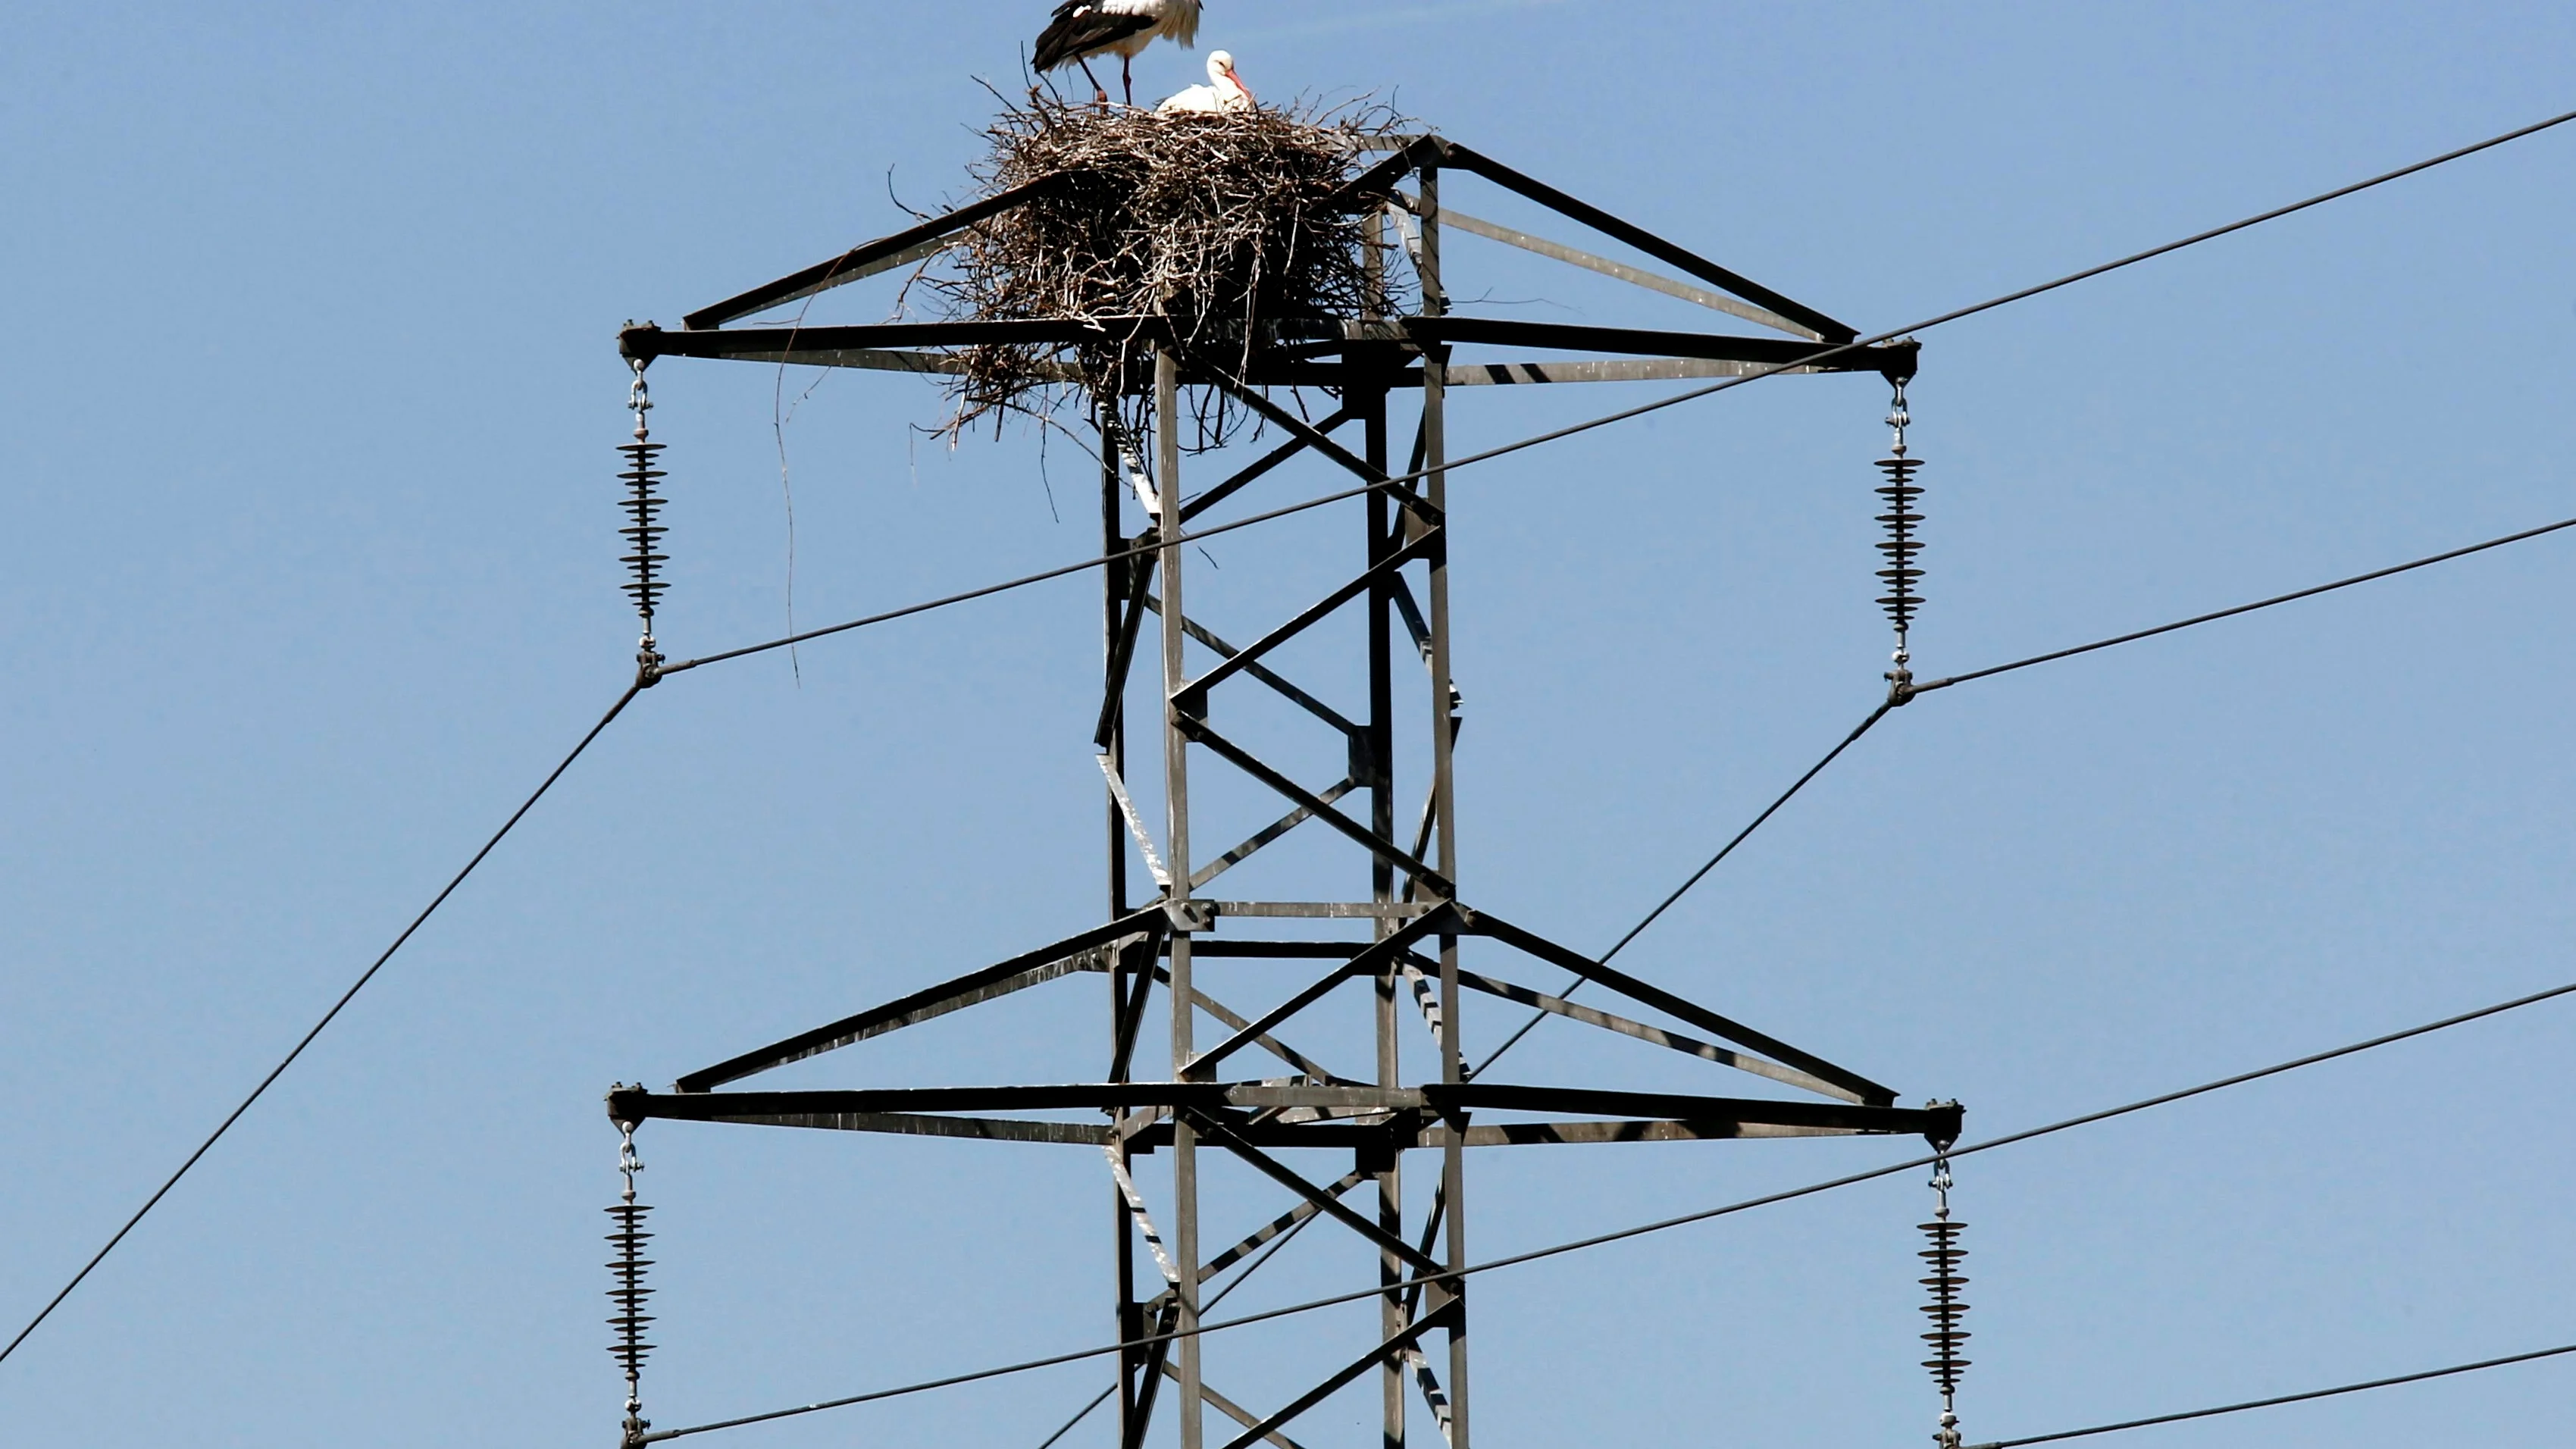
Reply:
x=2429, y=559
x=1643, y=1229
x=1810, y=359
x=1987, y=673
x=2414, y=1378
x=1683, y=889
x=327, y=1017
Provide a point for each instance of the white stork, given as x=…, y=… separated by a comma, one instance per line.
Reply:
x=1225, y=91
x=1082, y=29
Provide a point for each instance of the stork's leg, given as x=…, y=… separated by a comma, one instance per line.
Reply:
x=1099, y=92
x=1127, y=77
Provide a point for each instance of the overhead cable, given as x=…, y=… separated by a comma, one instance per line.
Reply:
x=1641, y=1230
x=327, y=1017
x=1910, y=690
x=1683, y=889
x=2278, y=1400
x=2307, y=593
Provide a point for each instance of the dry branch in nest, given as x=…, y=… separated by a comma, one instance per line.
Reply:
x=1217, y=221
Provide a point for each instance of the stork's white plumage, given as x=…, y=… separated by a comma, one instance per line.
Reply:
x=1225, y=91
x=1082, y=29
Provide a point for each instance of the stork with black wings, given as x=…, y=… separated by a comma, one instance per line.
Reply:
x=1082, y=29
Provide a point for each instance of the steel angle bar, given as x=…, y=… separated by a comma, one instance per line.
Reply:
x=1322, y=910
x=1341, y=1134
x=1484, y=924
x=1122, y=654
x=1311, y=615
x=1645, y=241
x=1283, y=950
x=1410, y=610
x=1634, y=276
x=1193, y=507
x=1265, y=835
x=1252, y=1031
x=1371, y=186
x=1366, y=963
x=1394, y=1344
x=1432, y=1396
x=1597, y=1133
x=883, y=359
x=1135, y=822
x=1270, y=1230
x=1297, y=427
x=1137, y=1214
x=1277, y=682
x=1432, y=1222
x=1688, y=1046
x=1131, y=1012
x=1232, y=1410
x=865, y=260
x=1451, y=1099
x=1401, y=210
x=1425, y=993
x=1656, y=369
x=635, y=1104
x=811, y=344
x=1156, y=1356
x=1198, y=732
x=1235, y=1021
x=909, y=1124
x=1325, y=1202
x=1571, y=337
x=1073, y=953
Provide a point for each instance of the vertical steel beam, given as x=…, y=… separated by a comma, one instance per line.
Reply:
x=1176, y=804
x=1453, y=1174
x=1112, y=595
x=1389, y=1168
x=1381, y=747
x=1111, y=538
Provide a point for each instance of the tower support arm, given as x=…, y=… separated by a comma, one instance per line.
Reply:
x=1697, y=1015
x=1647, y=242
x=1025, y=970
x=865, y=260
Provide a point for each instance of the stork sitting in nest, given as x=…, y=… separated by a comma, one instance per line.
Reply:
x=1082, y=29
x=1225, y=91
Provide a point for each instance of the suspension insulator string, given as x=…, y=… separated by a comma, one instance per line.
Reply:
x=628, y=1268
x=1945, y=1310
x=643, y=531
x=1900, y=546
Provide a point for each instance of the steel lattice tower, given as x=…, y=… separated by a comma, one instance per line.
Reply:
x=1397, y=930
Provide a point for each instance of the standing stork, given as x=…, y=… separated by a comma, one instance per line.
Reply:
x=1082, y=29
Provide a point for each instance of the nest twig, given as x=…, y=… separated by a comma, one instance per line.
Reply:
x=1216, y=222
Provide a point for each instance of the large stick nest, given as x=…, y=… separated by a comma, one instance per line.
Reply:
x=1217, y=222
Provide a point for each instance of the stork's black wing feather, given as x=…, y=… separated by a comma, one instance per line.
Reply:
x=1080, y=31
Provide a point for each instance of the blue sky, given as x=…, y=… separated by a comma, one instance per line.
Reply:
x=310, y=575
